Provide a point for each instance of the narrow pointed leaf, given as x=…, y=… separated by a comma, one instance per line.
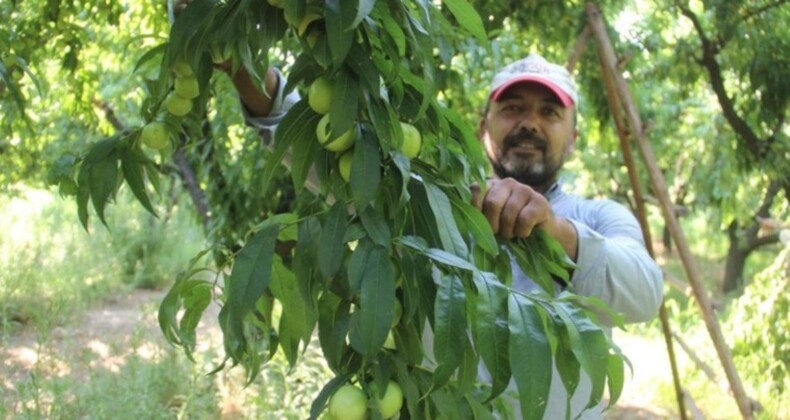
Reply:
x=450, y=328
x=445, y=223
x=492, y=335
x=365, y=169
x=331, y=249
x=249, y=278
x=134, y=173
x=469, y=19
x=377, y=300
x=290, y=130
x=477, y=225
x=528, y=342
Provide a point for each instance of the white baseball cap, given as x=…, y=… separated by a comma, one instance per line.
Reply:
x=536, y=69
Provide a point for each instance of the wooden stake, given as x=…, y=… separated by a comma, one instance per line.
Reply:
x=606, y=52
x=641, y=214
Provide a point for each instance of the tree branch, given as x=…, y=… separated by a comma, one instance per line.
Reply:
x=756, y=146
x=754, y=12
x=749, y=15
x=109, y=113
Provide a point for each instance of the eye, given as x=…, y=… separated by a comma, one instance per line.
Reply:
x=550, y=111
x=512, y=108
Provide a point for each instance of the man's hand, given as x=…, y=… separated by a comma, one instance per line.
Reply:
x=514, y=210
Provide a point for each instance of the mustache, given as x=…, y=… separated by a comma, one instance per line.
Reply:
x=525, y=137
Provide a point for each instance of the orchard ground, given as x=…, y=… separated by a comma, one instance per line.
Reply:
x=106, y=337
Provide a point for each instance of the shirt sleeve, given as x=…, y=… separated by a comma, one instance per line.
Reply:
x=266, y=126
x=614, y=265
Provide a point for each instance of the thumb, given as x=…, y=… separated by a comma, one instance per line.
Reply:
x=477, y=196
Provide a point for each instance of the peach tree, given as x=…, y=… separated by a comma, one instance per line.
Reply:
x=381, y=242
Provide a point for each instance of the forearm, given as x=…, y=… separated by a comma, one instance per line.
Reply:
x=620, y=272
x=565, y=233
x=257, y=100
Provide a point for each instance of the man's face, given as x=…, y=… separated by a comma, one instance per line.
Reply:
x=528, y=134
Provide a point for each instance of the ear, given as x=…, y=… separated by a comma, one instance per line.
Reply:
x=482, y=128
x=571, y=145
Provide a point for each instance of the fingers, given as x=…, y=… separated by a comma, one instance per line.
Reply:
x=514, y=209
x=180, y=5
x=477, y=200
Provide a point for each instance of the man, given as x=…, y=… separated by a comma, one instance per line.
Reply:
x=528, y=131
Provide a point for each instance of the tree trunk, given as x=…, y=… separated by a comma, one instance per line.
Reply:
x=744, y=240
x=736, y=259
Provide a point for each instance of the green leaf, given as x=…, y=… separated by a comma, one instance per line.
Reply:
x=491, y=329
x=291, y=130
x=444, y=257
x=376, y=301
x=331, y=249
x=469, y=19
x=589, y=344
x=168, y=313
x=103, y=180
x=333, y=324
x=344, y=103
x=365, y=169
x=357, y=264
x=394, y=30
x=134, y=173
x=83, y=193
x=298, y=315
x=449, y=328
x=303, y=150
x=363, y=10
x=615, y=377
x=383, y=118
x=528, y=342
x=195, y=15
x=567, y=364
x=478, y=226
x=360, y=63
x=445, y=223
x=340, y=32
x=317, y=408
x=196, y=295
x=404, y=169
x=526, y=256
x=376, y=226
x=249, y=278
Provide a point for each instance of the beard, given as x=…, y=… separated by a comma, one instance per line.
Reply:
x=536, y=171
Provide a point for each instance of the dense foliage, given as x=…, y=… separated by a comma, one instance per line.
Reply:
x=79, y=79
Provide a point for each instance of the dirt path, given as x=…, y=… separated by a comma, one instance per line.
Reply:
x=108, y=333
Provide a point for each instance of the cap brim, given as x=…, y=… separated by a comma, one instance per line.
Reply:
x=565, y=99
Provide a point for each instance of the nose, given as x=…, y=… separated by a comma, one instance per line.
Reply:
x=528, y=122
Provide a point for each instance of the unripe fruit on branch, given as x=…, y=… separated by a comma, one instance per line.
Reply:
x=398, y=313
x=220, y=54
x=319, y=95
x=187, y=87
x=412, y=140
x=344, y=164
x=324, y=132
x=392, y=401
x=155, y=135
x=348, y=403
x=177, y=104
x=389, y=343
x=306, y=21
x=181, y=68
